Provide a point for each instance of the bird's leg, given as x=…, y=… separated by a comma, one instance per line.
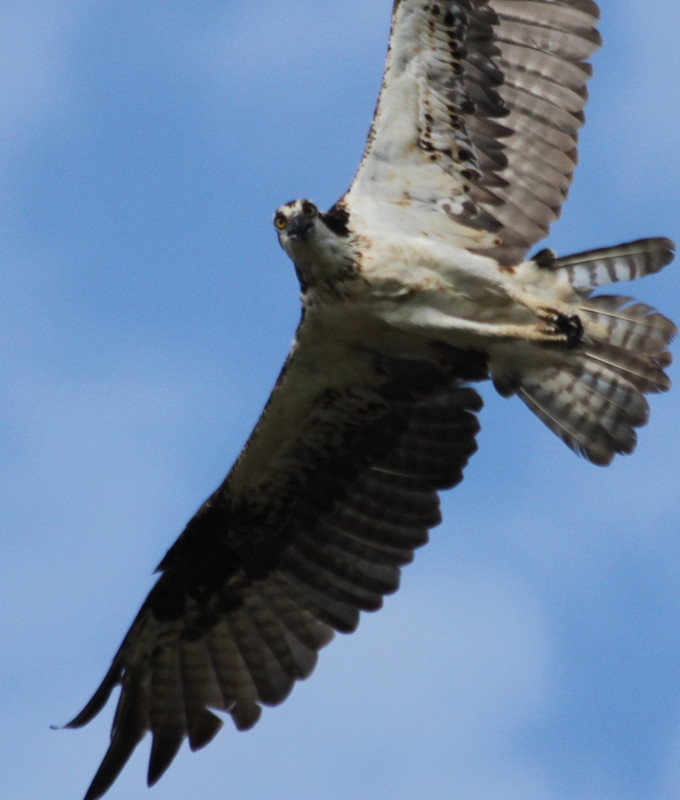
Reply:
x=554, y=328
x=557, y=319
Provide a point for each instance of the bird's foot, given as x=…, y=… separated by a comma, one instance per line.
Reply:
x=559, y=327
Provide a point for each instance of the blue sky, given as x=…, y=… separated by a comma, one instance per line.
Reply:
x=533, y=650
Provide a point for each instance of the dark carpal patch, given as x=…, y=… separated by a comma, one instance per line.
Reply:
x=337, y=219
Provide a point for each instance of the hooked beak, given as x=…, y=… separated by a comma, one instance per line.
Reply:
x=300, y=227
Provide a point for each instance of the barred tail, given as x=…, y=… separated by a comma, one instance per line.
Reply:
x=594, y=399
x=624, y=262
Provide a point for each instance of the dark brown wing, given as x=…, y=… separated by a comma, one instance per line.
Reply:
x=334, y=491
x=477, y=119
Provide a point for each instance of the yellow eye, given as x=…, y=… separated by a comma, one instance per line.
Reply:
x=279, y=222
x=309, y=209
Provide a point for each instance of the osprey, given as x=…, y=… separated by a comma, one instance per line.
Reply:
x=415, y=284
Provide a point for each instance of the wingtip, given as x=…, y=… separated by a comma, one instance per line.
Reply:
x=163, y=751
x=99, y=785
x=668, y=246
x=93, y=794
x=98, y=699
x=119, y=751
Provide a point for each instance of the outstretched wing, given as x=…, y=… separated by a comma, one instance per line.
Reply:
x=478, y=118
x=336, y=487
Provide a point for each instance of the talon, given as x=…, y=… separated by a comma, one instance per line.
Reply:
x=572, y=327
x=566, y=328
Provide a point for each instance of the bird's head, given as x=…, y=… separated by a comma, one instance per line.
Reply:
x=318, y=243
x=296, y=223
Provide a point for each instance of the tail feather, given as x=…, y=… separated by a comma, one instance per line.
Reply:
x=631, y=327
x=586, y=421
x=618, y=391
x=642, y=371
x=623, y=262
x=592, y=396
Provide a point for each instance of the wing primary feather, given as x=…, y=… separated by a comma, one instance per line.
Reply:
x=129, y=726
x=99, y=698
x=201, y=692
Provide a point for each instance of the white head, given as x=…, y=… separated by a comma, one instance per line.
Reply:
x=317, y=243
x=295, y=222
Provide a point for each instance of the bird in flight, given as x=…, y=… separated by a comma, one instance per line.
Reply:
x=415, y=285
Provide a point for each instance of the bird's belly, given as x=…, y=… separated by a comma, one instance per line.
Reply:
x=449, y=280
